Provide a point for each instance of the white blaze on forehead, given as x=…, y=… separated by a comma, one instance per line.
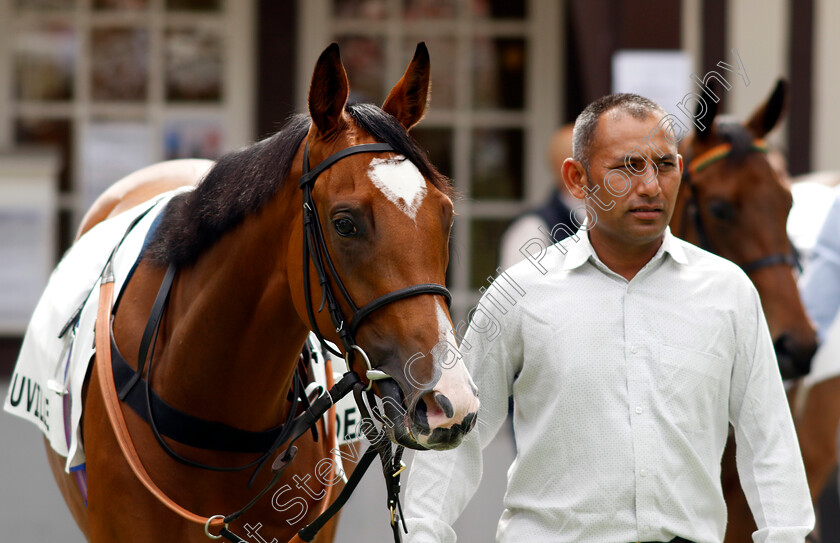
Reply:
x=400, y=181
x=455, y=381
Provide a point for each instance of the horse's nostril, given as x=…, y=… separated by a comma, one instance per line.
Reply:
x=469, y=422
x=421, y=419
x=445, y=405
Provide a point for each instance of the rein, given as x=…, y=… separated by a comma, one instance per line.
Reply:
x=314, y=248
x=692, y=206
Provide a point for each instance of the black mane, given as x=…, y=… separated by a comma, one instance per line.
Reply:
x=243, y=181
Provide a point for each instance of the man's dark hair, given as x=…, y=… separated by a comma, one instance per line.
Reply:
x=636, y=106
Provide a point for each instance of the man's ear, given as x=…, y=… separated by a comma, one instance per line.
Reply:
x=574, y=175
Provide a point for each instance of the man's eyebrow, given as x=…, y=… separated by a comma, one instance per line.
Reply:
x=635, y=157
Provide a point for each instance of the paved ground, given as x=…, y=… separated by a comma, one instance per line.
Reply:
x=32, y=510
x=31, y=507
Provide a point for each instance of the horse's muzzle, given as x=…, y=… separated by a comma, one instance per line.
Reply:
x=794, y=358
x=412, y=426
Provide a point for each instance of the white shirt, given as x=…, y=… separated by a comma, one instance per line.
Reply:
x=623, y=394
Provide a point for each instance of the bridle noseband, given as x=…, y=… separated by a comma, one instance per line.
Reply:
x=692, y=205
x=315, y=249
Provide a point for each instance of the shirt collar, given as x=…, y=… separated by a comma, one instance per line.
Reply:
x=580, y=251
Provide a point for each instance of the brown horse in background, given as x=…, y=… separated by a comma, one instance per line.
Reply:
x=733, y=203
x=236, y=320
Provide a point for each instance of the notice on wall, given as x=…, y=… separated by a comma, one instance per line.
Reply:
x=27, y=259
x=662, y=76
x=110, y=151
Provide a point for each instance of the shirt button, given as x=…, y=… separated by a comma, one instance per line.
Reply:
x=634, y=349
x=639, y=410
x=643, y=473
x=646, y=528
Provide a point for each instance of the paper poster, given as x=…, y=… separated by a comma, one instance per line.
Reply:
x=193, y=138
x=110, y=151
x=26, y=254
x=662, y=76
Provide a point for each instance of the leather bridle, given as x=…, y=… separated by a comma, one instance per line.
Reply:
x=692, y=208
x=315, y=249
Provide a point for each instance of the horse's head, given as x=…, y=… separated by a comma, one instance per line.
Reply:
x=732, y=202
x=385, y=215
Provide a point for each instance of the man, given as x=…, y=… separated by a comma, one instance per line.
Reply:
x=820, y=284
x=628, y=356
x=553, y=214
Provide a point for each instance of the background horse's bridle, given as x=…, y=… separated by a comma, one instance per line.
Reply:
x=315, y=249
x=692, y=205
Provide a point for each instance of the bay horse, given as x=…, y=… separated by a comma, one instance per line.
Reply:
x=243, y=300
x=733, y=203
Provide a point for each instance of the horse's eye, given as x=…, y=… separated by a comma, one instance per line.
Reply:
x=344, y=227
x=722, y=210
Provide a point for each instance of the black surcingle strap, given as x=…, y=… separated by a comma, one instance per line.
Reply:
x=152, y=326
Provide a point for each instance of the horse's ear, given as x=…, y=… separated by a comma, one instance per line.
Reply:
x=328, y=91
x=407, y=100
x=706, y=118
x=770, y=112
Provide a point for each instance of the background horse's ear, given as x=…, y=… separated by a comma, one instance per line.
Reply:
x=407, y=100
x=770, y=112
x=328, y=91
x=707, y=118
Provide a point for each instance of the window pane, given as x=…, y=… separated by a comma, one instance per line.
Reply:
x=364, y=60
x=120, y=63
x=499, y=73
x=120, y=4
x=430, y=9
x=499, y=9
x=497, y=163
x=193, y=65
x=484, y=239
x=53, y=132
x=443, y=52
x=360, y=9
x=44, y=63
x=437, y=142
x=193, y=5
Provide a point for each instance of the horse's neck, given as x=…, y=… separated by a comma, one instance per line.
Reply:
x=231, y=336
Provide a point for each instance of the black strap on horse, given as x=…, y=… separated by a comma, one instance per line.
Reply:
x=392, y=468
